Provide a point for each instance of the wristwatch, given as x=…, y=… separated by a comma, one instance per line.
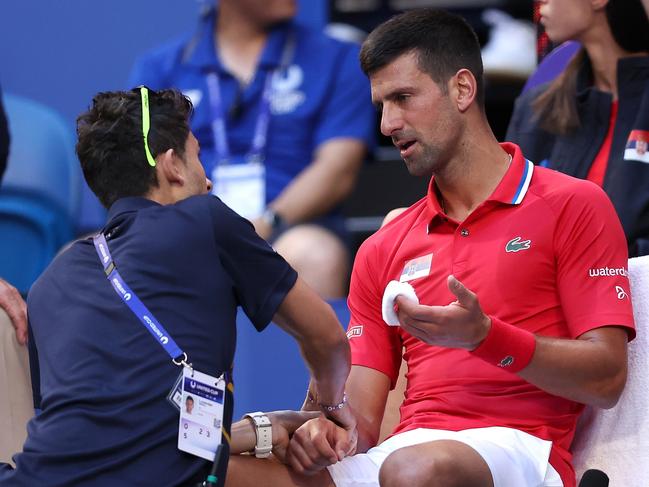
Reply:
x=272, y=218
x=264, y=432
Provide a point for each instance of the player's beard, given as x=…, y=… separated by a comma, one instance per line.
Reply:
x=425, y=161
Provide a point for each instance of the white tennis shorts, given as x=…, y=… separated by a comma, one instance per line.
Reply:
x=515, y=458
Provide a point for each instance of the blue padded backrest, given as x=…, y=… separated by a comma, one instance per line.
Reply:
x=40, y=192
x=32, y=233
x=41, y=155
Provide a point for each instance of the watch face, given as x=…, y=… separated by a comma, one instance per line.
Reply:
x=272, y=218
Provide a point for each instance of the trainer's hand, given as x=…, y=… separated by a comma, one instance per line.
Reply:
x=461, y=324
x=343, y=417
x=14, y=305
x=317, y=444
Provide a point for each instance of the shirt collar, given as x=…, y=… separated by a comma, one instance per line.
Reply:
x=127, y=205
x=512, y=187
x=200, y=51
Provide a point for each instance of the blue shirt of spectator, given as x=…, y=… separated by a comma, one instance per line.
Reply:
x=322, y=95
x=105, y=419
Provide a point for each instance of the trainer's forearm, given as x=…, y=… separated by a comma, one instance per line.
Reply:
x=321, y=339
x=244, y=437
x=327, y=355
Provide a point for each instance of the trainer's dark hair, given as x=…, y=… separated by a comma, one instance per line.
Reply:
x=110, y=142
x=556, y=107
x=444, y=43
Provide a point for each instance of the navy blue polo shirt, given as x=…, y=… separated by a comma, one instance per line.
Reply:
x=321, y=95
x=105, y=419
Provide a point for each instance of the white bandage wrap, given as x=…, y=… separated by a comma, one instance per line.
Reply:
x=392, y=290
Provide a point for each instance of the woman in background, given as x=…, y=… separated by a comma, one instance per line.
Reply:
x=592, y=121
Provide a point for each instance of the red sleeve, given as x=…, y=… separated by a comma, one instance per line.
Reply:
x=374, y=344
x=592, y=262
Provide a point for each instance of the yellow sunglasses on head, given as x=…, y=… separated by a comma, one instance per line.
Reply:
x=146, y=123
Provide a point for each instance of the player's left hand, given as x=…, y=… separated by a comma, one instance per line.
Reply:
x=461, y=324
x=317, y=444
x=284, y=424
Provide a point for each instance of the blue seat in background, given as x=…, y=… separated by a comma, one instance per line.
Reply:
x=40, y=192
x=269, y=372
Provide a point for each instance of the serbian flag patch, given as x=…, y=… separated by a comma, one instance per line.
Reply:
x=637, y=146
x=416, y=268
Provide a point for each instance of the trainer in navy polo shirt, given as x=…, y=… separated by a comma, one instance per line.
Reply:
x=320, y=96
x=105, y=419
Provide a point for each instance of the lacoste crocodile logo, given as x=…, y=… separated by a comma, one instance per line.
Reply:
x=516, y=245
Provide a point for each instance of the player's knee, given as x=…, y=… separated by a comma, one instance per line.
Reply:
x=310, y=244
x=406, y=467
x=319, y=257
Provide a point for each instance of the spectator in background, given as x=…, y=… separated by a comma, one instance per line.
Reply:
x=10, y=299
x=591, y=120
x=249, y=64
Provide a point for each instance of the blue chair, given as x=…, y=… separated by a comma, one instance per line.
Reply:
x=40, y=193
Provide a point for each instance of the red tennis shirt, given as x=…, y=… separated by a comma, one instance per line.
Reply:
x=545, y=252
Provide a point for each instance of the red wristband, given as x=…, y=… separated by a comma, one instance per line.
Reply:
x=507, y=346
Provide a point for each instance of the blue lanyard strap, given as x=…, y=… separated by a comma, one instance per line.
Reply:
x=219, y=131
x=260, y=135
x=135, y=305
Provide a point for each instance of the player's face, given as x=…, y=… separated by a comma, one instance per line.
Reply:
x=566, y=19
x=416, y=114
x=641, y=147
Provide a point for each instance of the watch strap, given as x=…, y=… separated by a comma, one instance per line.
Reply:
x=272, y=218
x=264, y=433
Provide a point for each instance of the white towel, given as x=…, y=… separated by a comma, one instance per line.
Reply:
x=616, y=440
x=392, y=290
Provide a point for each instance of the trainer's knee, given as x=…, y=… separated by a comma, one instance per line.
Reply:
x=319, y=257
x=406, y=467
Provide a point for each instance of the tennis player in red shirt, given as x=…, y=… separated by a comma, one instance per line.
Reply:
x=524, y=311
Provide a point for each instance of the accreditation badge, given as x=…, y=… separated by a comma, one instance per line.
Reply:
x=242, y=187
x=201, y=413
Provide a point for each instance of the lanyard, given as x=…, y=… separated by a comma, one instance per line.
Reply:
x=260, y=135
x=178, y=357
